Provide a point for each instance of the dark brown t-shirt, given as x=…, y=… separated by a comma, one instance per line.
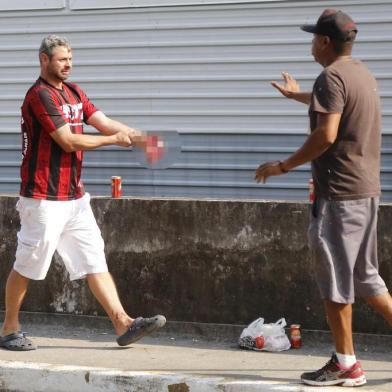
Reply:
x=350, y=168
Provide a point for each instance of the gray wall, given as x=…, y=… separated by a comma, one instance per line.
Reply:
x=200, y=69
x=205, y=261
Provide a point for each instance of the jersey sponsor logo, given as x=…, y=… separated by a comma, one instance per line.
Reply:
x=73, y=113
x=25, y=139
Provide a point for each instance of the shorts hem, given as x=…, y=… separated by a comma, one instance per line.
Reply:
x=375, y=293
x=346, y=301
x=27, y=274
x=83, y=275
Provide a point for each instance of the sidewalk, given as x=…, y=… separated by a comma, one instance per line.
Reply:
x=80, y=354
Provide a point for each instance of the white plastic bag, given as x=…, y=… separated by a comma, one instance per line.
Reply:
x=265, y=337
x=254, y=329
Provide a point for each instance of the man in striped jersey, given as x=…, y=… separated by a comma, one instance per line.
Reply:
x=54, y=209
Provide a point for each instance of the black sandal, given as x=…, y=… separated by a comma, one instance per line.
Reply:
x=141, y=327
x=17, y=341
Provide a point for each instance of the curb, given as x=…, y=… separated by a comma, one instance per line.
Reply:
x=14, y=376
x=23, y=376
x=228, y=333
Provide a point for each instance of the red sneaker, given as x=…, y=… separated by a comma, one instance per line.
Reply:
x=335, y=374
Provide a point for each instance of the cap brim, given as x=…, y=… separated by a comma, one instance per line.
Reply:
x=309, y=28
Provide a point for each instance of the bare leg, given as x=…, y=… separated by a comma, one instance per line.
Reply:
x=15, y=292
x=383, y=305
x=340, y=323
x=104, y=290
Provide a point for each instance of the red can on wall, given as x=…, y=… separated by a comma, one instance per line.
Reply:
x=116, y=186
x=311, y=190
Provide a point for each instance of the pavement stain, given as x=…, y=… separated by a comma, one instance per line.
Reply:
x=182, y=387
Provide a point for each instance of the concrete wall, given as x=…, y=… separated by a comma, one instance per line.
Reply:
x=206, y=261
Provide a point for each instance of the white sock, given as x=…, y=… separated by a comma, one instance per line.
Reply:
x=346, y=360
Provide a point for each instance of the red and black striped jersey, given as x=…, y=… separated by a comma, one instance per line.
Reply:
x=47, y=171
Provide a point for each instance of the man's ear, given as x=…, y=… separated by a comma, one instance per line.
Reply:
x=326, y=41
x=43, y=58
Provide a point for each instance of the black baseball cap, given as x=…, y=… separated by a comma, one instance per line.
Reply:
x=332, y=23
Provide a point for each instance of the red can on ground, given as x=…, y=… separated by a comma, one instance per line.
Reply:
x=259, y=342
x=116, y=186
x=295, y=336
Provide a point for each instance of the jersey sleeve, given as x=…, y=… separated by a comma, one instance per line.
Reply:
x=328, y=94
x=47, y=110
x=88, y=107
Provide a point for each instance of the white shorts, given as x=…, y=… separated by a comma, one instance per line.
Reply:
x=66, y=226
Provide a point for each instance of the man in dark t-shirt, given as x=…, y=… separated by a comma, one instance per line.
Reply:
x=344, y=148
x=350, y=168
x=54, y=209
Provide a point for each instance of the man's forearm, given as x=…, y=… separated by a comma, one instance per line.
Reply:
x=109, y=127
x=85, y=142
x=303, y=97
x=315, y=145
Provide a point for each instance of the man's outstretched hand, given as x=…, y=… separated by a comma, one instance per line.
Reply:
x=290, y=85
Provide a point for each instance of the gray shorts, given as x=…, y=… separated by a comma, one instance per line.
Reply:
x=343, y=241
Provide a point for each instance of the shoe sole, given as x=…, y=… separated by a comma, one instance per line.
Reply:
x=344, y=382
x=160, y=322
x=149, y=330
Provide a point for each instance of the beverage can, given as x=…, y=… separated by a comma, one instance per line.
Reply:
x=295, y=336
x=116, y=186
x=311, y=190
x=259, y=342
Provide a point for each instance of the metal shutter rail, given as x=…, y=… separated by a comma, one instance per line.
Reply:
x=203, y=70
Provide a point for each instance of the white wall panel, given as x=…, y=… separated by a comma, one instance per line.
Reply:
x=203, y=70
x=104, y=4
x=6, y=5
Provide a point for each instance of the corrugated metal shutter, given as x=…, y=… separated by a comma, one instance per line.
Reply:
x=203, y=70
